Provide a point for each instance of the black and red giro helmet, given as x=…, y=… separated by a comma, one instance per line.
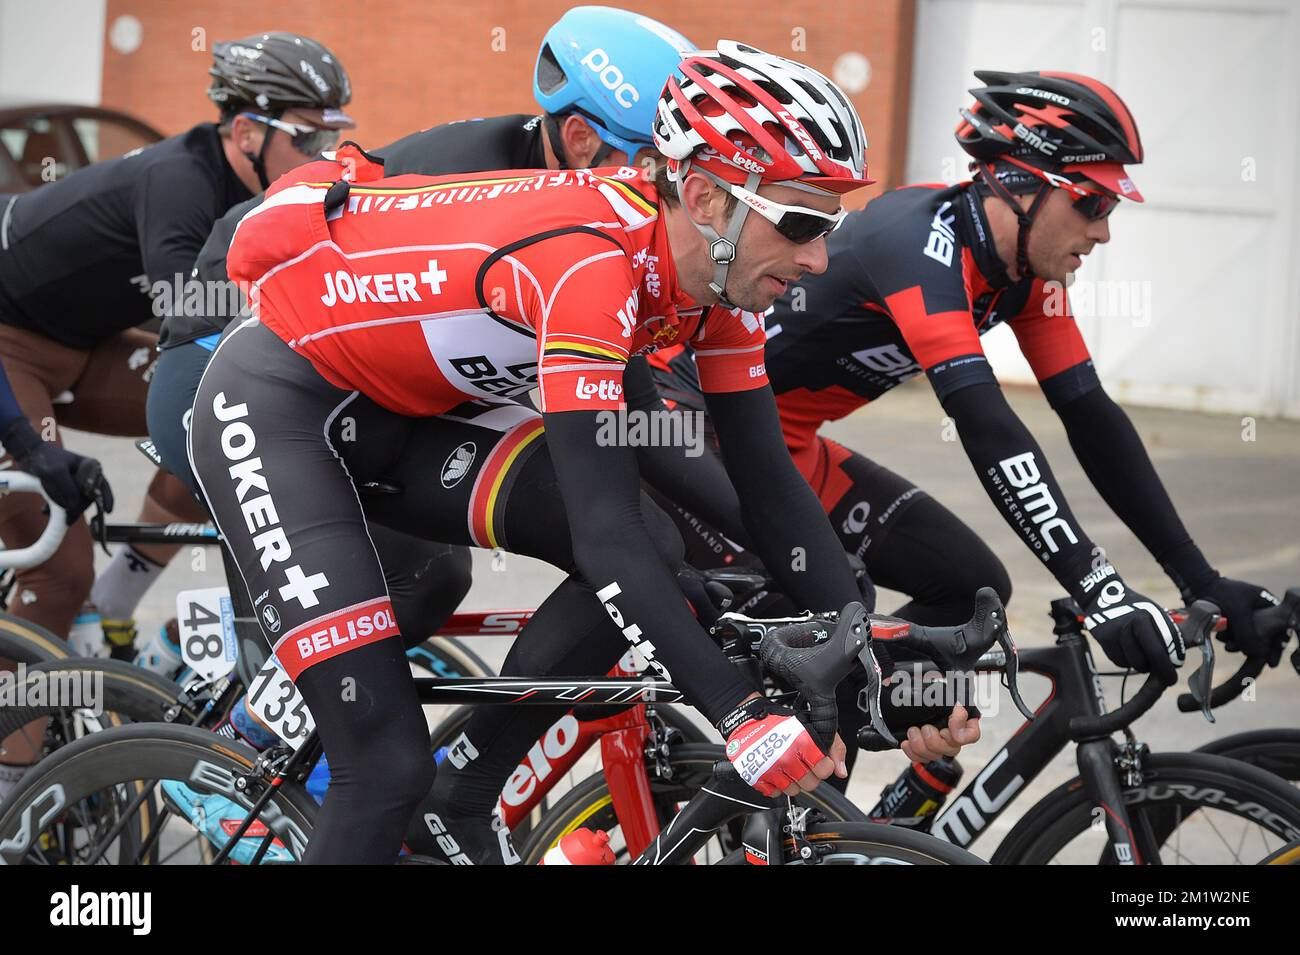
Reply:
x=1062, y=123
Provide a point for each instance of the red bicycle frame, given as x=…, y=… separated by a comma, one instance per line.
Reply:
x=622, y=737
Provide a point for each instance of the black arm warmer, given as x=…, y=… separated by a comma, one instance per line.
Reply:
x=1014, y=472
x=601, y=489
x=786, y=522
x=1112, y=455
x=690, y=475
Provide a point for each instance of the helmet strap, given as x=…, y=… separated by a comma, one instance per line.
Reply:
x=722, y=247
x=1024, y=217
x=259, y=160
x=551, y=129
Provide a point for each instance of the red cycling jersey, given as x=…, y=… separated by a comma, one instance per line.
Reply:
x=425, y=292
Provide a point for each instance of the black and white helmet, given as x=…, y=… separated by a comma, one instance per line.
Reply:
x=272, y=72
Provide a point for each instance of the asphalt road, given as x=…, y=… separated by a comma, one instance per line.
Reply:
x=1236, y=483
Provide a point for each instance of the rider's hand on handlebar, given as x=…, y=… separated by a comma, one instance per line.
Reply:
x=1238, y=601
x=774, y=752
x=72, y=481
x=1133, y=630
x=926, y=743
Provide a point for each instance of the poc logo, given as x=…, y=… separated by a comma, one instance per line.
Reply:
x=940, y=243
x=744, y=162
x=611, y=77
x=604, y=389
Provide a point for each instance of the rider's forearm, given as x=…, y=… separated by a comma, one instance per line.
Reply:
x=615, y=553
x=688, y=473
x=786, y=522
x=1018, y=479
x=1112, y=455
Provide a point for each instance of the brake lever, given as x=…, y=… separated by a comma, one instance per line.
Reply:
x=99, y=526
x=1011, y=671
x=871, y=692
x=1198, y=628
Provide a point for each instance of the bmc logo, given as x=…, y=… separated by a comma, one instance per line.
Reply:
x=604, y=389
x=939, y=244
x=611, y=77
x=1022, y=474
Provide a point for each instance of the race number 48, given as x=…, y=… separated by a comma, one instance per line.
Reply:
x=206, y=621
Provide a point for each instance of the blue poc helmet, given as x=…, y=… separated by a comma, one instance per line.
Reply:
x=609, y=66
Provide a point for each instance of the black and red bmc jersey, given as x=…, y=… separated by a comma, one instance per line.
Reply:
x=913, y=281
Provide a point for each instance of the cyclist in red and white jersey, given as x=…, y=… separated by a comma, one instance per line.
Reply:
x=412, y=308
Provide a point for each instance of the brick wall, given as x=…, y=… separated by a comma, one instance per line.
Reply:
x=416, y=63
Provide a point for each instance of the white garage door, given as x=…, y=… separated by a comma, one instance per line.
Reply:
x=1196, y=301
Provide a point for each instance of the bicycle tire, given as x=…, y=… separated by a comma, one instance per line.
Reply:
x=590, y=804
x=128, y=755
x=1276, y=750
x=1177, y=784
x=24, y=642
x=449, y=657
x=869, y=843
x=1289, y=854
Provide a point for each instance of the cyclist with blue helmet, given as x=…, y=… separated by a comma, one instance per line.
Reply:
x=602, y=69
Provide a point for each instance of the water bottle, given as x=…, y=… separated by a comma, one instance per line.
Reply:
x=919, y=792
x=86, y=638
x=581, y=847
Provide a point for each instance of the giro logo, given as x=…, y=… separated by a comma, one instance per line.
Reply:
x=457, y=464
x=317, y=80
x=611, y=77
x=941, y=241
x=744, y=162
x=1045, y=94
x=630, y=630
x=603, y=390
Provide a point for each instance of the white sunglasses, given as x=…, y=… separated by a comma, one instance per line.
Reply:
x=799, y=224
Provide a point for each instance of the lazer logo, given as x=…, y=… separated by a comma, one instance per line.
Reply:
x=800, y=134
x=1022, y=473
x=630, y=630
x=604, y=389
x=260, y=515
x=611, y=77
x=744, y=162
x=350, y=287
x=941, y=241
x=1044, y=146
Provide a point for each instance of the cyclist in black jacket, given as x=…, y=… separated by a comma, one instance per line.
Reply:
x=84, y=262
x=914, y=280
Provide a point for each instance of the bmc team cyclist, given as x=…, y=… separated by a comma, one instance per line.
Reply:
x=78, y=261
x=913, y=281
x=501, y=282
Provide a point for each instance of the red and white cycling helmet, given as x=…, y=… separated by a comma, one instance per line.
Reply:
x=744, y=117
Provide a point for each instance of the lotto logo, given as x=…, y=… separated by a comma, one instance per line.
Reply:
x=744, y=162
x=604, y=389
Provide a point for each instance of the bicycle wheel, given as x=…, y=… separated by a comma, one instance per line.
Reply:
x=1197, y=809
x=98, y=798
x=1276, y=750
x=869, y=843
x=589, y=804
x=448, y=657
x=25, y=642
x=1289, y=854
